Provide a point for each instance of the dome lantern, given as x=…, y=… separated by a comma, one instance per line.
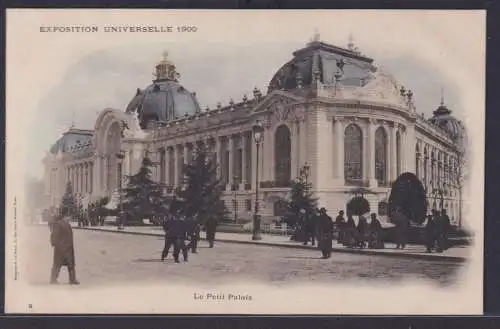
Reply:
x=165, y=69
x=443, y=119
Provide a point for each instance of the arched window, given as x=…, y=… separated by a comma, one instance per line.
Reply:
x=283, y=156
x=398, y=153
x=353, y=154
x=381, y=156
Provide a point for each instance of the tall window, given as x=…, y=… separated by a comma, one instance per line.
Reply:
x=381, y=156
x=283, y=155
x=398, y=153
x=353, y=153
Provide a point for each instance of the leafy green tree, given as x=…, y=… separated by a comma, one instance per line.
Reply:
x=202, y=191
x=69, y=204
x=143, y=197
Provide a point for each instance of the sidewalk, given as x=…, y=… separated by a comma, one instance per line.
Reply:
x=456, y=254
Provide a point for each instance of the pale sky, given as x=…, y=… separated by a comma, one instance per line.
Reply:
x=55, y=78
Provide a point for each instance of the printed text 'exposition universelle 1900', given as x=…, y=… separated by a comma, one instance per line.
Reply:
x=118, y=29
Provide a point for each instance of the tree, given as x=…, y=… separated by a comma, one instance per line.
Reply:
x=143, y=197
x=408, y=194
x=202, y=191
x=301, y=197
x=358, y=205
x=68, y=202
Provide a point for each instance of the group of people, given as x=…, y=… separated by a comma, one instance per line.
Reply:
x=180, y=228
x=436, y=230
x=322, y=228
x=369, y=234
x=362, y=235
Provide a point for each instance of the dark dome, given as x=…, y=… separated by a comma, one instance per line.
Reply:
x=451, y=125
x=165, y=99
x=327, y=62
x=73, y=141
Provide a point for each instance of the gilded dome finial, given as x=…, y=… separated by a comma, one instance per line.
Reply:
x=442, y=96
x=165, y=69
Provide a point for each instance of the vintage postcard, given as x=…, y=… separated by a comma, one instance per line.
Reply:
x=246, y=162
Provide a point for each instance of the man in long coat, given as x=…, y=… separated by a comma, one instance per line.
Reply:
x=402, y=226
x=340, y=226
x=326, y=233
x=61, y=239
x=194, y=233
x=210, y=227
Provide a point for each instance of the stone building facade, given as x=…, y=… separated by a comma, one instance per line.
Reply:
x=329, y=108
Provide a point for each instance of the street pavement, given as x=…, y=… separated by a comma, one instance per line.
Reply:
x=104, y=258
x=457, y=253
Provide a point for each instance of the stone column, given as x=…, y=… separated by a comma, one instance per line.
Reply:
x=177, y=155
x=267, y=159
x=302, y=131
x=295, y=167
x=91, y=178
x=244, y=141
x=231, y=160
x=255, y=164
x=339, y=139
x=371, y=154
x=82, y=178
x=167, y=167
x=218, y=153
x=393, y=151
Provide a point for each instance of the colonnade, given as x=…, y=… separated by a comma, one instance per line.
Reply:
x=81, y=177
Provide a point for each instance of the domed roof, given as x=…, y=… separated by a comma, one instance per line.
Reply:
x=165, y=99
x=73, y=141
x=325, y=63
x=452, y=126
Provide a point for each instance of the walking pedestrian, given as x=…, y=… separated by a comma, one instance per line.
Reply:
x=402, y=224
x=61, y=239
x=350, y=232
x=194, y=233
x=430, y=234
x=210, y=227
x=339, y=224
x=361, y=232
x=169, y=235
x=375, y=233
x=180, y=232
x=443, y=226
x=325, y=233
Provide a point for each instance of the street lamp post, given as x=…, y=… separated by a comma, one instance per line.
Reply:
x=120, y=224
x=258, y=136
